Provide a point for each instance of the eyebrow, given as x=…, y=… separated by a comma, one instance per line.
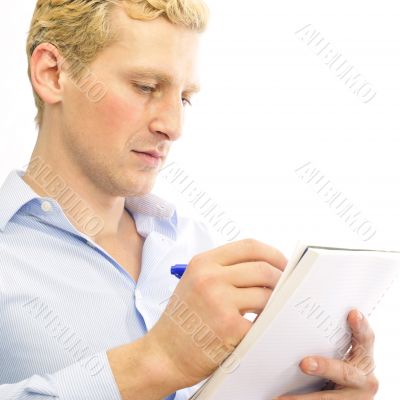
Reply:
x=151, y=73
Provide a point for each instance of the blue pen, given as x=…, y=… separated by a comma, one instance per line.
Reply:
x=178, y=270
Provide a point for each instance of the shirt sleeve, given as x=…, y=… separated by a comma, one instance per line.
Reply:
x=187, y=393
x=71, y=383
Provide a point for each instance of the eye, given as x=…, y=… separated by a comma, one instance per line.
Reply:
x=145, y=88
x=186, y=101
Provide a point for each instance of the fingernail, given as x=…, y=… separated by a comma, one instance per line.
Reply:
x=360, y=317
x=312, y=365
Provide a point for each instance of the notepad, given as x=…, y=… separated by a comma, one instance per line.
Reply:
x=306, y=315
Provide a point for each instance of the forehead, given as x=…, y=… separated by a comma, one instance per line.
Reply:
x=156, y=48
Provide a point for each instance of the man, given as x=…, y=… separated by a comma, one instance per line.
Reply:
x=86, y=250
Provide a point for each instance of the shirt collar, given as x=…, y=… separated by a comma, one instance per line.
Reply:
x=150, y=211
x=14, y=194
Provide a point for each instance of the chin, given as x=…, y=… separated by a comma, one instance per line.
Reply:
x=141, y=188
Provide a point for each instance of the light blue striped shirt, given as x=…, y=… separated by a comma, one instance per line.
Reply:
x=64, y=301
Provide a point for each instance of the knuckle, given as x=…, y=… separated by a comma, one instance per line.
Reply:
x=269, y=274
x=278, y=255
x=264, y=270
x=348, y=373
x=262, y=266
x=198, y=260
x=249, y=244
x=204, y=283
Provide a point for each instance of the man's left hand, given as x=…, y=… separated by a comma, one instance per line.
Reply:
x=352, y=378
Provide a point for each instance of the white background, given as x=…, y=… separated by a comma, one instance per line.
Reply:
x=269, y=104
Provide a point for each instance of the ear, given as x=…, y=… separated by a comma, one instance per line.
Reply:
x=45, y=70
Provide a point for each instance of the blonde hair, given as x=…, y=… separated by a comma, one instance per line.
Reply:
x=80, y=29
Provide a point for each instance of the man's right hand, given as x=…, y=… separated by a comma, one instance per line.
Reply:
x=204, y=321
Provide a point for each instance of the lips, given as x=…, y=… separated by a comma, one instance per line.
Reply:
x=152, y=153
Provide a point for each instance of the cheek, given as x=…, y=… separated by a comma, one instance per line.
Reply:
x=117, y=112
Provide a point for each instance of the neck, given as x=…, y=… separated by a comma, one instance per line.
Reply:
x=92, y=211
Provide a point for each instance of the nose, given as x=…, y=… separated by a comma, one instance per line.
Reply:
x=168, y=118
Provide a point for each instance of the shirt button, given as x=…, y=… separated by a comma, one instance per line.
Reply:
x=46, y=206
x=138, y=294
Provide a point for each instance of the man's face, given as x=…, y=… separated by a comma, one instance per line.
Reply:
x=120, y=141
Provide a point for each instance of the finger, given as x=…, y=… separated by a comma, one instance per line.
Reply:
x=251, y=274
x=244, y=251
x=251, y=300
x=363, y=338
x=340, y=372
